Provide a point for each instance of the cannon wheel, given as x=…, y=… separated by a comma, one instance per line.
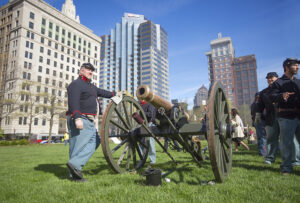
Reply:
x=219, y=135
x=131, y=153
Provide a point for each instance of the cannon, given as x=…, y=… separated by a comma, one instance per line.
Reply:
x=125, y=120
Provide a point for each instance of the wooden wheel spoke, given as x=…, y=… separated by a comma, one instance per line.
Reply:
x=128, y=117
x=118, y=146
x=224, y=162
x=119, y=126
x=133, y=155
x=223, y=106
x=139, y=152
x=128, y=158
x=225, y=153
x=121, y=117
x=123, y=155
x=144, y=145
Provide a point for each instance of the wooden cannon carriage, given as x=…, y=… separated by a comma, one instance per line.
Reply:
x=125, y=120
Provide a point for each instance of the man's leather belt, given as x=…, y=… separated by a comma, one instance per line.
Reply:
x=90, y=117
x=289, y=110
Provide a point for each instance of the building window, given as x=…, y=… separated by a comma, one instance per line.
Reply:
x=31, y=15
x=20, y=120
x=36, y=121
x=43, y=21
x=39, y=78
x=44, y=122
x=31, y=25
x=40, y=69
x=25, y=121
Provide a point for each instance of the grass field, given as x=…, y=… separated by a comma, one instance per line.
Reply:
x=37, y=173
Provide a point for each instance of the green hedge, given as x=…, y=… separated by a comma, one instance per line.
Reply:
x=13, y=142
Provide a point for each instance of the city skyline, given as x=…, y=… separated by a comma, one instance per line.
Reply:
x=264, y=28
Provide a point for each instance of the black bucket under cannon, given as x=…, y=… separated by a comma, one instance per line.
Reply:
x=153, y=176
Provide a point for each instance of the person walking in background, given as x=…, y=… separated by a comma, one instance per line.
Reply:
x=258, y=122
x=286, y=93
x=66, y=138
x=238, y=135
x=82, y=109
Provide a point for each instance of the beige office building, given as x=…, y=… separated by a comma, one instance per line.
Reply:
x=219, y=64
x=41, y=51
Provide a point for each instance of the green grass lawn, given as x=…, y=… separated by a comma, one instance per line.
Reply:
x=37, y=173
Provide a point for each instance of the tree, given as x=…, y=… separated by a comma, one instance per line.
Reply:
x=28, y=103
x=1, y=134
x=198, y=113
x=245, y=114
x=8, y=106
x=56, y=107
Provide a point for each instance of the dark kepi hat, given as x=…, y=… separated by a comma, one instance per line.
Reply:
x=290, y=61
x=272, y=74
x=88, y=66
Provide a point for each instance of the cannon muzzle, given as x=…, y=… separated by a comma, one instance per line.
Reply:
x=143, y=92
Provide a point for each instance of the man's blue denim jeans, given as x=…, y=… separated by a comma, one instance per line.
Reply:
x=272, y=141
x=288, y=129
x=296, y=153
x=83, y=143
x=261, y=137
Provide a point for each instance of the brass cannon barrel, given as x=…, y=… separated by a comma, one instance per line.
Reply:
x=143, y=92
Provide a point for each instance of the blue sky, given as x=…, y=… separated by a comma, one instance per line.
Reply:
x=267, y=28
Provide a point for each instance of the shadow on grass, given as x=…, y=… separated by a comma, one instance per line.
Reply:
x=264, y=167
x=59, y=170
x=181, y=169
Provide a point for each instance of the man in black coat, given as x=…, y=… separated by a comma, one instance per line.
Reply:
x=82, y=109
x=150, y=112
x=286, y=93
x=271, y=122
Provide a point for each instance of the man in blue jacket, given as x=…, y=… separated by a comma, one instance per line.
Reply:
x=82, y=109
x=286, y=92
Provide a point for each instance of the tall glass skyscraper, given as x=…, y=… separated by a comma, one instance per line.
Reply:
x=135, y=53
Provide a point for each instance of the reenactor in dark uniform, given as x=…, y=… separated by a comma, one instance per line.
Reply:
x=82, y=109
